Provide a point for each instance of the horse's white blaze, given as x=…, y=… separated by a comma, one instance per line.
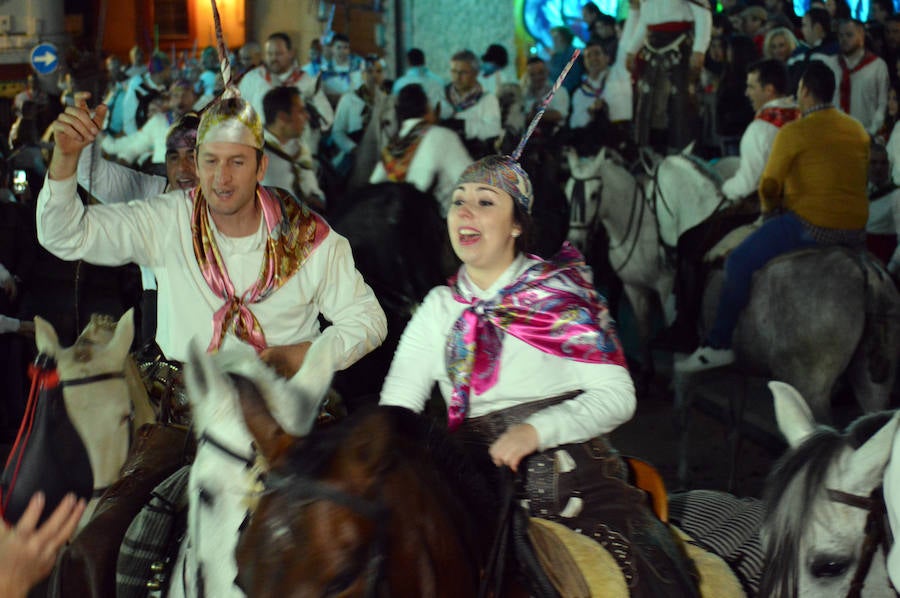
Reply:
x=224, y=481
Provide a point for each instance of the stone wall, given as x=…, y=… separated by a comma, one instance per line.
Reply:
x=441, y=28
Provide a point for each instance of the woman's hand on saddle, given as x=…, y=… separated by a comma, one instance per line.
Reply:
x=28, y=552
x=286, y=359
x=512, y=446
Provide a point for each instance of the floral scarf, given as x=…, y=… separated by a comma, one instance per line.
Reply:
x=552, y=306
x=461, y=102
x=398, y=154
x=294, y=233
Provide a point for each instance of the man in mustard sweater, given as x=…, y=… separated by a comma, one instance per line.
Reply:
x=813, y=192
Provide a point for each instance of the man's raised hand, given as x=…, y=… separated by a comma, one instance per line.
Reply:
x=73, y=130
x=77, y=126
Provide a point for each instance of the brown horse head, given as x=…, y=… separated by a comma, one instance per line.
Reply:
x=378, y=503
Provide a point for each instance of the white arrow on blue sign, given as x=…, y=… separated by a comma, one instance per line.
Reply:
x=44, y=58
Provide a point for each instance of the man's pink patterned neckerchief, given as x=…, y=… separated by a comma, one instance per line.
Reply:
x=552, y=306
x=294, y=232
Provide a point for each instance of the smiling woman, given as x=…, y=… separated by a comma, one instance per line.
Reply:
x=527, y=359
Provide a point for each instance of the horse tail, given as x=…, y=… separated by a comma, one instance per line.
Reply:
x=882, y=311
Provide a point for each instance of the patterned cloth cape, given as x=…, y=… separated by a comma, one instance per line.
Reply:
x=552, y=306
x=294, y=232
x=398, y=154
x=460, y=102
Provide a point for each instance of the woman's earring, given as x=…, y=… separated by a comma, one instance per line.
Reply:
x=516, y=233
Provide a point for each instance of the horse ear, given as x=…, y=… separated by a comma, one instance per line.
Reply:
x=271, y=439
x=199, y=372
x=124, y=334
x=688, y=149
x=795, y=419
x=45, y=337
x=868, y=462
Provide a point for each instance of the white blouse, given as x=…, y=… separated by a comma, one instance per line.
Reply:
x=525, y=373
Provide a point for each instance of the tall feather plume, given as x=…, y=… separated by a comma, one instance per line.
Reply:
x=543, y=107
x=224, y=62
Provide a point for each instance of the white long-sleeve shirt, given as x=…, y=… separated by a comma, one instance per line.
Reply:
x=281, y=173
x=655, y=12
x=157, y=233
x=482, y=121
x=149, y=139
x=131, y=100
x=109, y=183
x=525, y=373
x=617, y=94
x=258, y=81
x=348, y=118
x=868, y=91
x=439, y=160
x=756, y=145
x=420, y=75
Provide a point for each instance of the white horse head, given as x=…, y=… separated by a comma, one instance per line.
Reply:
x=686, y=192
x=812, y=534
x=96, y=390
x=222, y=477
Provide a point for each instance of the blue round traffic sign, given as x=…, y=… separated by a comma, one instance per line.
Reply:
x=44, y=58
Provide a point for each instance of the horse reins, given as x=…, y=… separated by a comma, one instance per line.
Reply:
x=877, y=532
x=638, y=190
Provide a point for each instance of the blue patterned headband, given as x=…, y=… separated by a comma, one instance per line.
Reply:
x=505, y=172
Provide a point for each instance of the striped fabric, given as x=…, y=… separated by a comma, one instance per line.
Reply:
x=726, y=525
x=153, y=536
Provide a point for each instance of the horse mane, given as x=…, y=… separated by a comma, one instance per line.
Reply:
x=704, y=168
x=795, y=483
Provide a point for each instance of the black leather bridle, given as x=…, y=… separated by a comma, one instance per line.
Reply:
x=877, y=531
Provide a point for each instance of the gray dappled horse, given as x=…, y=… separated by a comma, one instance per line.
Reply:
x=812, y=316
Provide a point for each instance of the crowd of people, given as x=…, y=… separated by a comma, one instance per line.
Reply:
x=233, y=181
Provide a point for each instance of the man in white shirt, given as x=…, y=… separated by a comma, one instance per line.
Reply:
x=343, y=72
x=290, y=162
x=671, y=38
x=207, y=251
x=420, y=74
x=496, y=70
x=537, y=86
x=768, y=83
x=861, y=76
x=603, y=88
x=150, y=140
x=465, y=100
x=110, y=182
x=354, y=111
x=280, y=68
x=142, y=89
x=426, y=155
